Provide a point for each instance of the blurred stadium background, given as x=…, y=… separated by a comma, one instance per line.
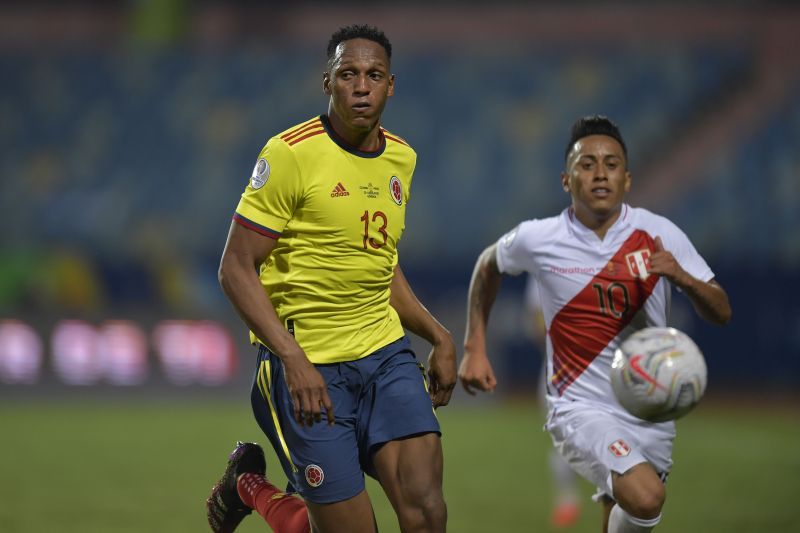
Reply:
x=129, y=129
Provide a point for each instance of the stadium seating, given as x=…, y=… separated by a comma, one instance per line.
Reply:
x=133, y=160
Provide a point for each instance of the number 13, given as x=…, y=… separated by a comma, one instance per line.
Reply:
x=382, y=229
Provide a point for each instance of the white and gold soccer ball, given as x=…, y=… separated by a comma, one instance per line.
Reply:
x=658, y=374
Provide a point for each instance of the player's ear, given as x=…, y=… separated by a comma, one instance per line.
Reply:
x=390, y=92
x=326, y=83
x=628, y=178
x=565, y=181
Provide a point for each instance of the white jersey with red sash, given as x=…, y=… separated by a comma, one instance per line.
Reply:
x=594, y=292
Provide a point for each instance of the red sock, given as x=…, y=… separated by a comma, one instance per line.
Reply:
x=284, y=513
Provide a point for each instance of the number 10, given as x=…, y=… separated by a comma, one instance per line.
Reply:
x=607, y=305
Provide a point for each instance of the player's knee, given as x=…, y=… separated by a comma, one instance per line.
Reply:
x=646, y=503
x=426, y=508
x=640, y=492
x=435, y=510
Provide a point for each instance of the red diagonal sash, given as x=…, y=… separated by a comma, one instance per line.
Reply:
x=582, y=329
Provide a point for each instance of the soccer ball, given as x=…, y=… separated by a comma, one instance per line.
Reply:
x=658, y=374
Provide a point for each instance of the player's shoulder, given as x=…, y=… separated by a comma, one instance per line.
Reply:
x=299, y=133
x=395, y=141
x=650, y=221
x=294, y=144
x=544, y=228
x=279, y=155
x=534, y=233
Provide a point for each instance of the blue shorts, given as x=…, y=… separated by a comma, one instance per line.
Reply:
x=377, y=399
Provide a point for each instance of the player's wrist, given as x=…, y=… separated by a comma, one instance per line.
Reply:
x=292, y=355
x=474, y=341
x=442, y=337
x=474, y=351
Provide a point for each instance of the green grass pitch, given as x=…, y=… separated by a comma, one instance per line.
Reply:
x=87, y=467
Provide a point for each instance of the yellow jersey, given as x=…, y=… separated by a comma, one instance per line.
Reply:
x=338, y=214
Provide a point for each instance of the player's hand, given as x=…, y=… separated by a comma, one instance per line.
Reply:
x=442, y=371
x=476, y=372
x=663, y=263
x=308, y=390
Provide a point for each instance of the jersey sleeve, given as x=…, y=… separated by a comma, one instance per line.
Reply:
x=676, y=242
x=275, y=188
x=513, y=251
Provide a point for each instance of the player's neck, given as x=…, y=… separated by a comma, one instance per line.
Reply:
x=599, y=223
x=365, y=140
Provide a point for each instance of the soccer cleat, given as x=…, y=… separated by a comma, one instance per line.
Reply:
x=224, y=507
x=565, y=514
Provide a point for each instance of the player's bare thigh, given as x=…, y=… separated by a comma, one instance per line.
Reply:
x=352, y=515
x=410, y=472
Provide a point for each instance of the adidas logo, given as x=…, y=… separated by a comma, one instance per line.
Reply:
x=339, y=190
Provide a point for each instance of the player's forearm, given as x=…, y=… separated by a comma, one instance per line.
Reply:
x=413, y=315
x=241, y=285
x=709, y=300
x=483, y=289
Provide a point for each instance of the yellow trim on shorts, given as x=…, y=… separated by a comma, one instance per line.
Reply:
x=264, y=381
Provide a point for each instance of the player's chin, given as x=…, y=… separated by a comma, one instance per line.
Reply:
x=605, y=206
x=362, y=121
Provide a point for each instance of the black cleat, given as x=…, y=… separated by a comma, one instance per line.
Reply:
x=224, y=507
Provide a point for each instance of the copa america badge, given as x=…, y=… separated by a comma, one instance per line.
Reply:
x=396, y=190
x=260, y=174
x=314, y=475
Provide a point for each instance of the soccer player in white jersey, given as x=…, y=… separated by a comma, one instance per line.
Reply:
x=604, y=270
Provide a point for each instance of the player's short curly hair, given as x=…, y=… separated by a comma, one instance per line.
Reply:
x=358, y=31
x=594, y=125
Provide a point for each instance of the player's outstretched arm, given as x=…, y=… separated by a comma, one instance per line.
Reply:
x=709, y=299
x=417, y=319
x=475, y=370
x=244, y=253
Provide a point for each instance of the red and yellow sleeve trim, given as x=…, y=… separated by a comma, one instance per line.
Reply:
x=258, y=228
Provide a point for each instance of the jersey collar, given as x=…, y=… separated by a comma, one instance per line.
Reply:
x=344, y=145
x=621, y=223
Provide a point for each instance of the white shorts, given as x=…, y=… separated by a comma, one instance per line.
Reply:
x=596, y=440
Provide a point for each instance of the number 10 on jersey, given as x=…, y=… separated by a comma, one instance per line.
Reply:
x=616, y=307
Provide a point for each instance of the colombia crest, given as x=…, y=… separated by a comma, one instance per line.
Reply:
x=314, y=475
x=396, y=190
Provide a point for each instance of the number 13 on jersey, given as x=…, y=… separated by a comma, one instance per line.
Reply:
x=377, y=218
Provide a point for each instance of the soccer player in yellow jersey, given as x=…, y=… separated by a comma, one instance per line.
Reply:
x=311, y=267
